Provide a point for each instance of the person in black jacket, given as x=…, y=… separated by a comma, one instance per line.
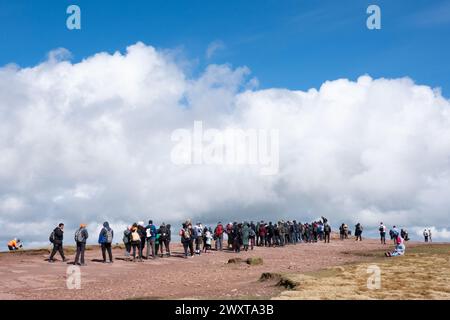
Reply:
x=57, y=239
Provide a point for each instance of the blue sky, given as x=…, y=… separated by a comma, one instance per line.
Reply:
x=290, y=44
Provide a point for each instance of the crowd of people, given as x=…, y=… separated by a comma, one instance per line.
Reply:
x=149, y=241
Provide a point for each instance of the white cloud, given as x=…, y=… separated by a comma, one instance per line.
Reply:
x=91, y=141
x=213, y=47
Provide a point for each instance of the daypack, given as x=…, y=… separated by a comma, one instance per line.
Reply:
x=135, y=236
x=109, y=235
x=381, y=229
x=219, y=230
x=327, y=228
x=252, y=233
x=186, y=233
x=163, y=232
x=148, y=232
x=79, y=236
x=51, y=238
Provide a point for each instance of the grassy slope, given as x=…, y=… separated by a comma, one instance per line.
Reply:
x=424, y=273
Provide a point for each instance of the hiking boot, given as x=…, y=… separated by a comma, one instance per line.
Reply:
x=65, y=260
x=82, y=264
x=51, y=260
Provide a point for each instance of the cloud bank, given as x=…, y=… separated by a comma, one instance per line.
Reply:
x=91, y=141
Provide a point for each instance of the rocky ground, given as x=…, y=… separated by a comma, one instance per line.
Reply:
x=27, y=274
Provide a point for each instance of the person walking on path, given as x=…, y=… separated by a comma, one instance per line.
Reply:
x=56, y=237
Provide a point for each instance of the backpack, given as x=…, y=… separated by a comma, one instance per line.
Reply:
x=327, y=228
x=381, y=229
x=109, y=235
x=148, y=232
x=163, y=232
x=186, y=233
x=219, y=230
x=251, y=233
x=135, y=236
x=79, y=236
x=51, y=238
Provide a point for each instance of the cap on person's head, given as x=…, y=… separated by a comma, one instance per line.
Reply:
x=150, y=221
x=18, y=240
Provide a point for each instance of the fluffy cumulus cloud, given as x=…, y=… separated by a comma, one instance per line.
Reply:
x=92, y=141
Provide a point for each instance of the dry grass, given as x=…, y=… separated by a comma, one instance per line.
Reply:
x=424, y=273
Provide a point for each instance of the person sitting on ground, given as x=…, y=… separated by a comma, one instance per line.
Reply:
x=399, y=246
x=14, y=244
x=56, y=237
x=105, y=239
x=81, y=236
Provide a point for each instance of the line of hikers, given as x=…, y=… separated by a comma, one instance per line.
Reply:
x=198, y=238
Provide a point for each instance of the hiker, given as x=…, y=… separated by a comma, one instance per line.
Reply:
x=163, y=239
x=218, y=235
x=56, y=237
x=228, y=231
x=296, y=232
x=81, y=236
x=207, y=234
x=399, y=246
x=251, y=236
x=150, y=237
x=105, y=239
x=143, y=238
x=14, y=244
x=245, y=235
x=270, y=234
x=185, y=234
x=262, y=233
x=257, y=233
x=198, y=237
x=127, y=242
x=405, y=236
x=327, y=231
x=136, y=239
x=168, y=238
x=358, y=231
x=429, y=235
x=237, y=237
x=346, y=231
x=157, y=242
x=426, y=235
x=382, y=230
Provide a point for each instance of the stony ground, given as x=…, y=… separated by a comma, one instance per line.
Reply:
x=27, y=275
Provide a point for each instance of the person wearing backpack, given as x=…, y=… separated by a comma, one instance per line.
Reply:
x=382, y=230
x=56, y=237
x=185, y=234
x=81, y=236
x=163, y=239
x=150, y=237
x=251, y=237
x=105, y=239
x=218, y=234
x=245, y=235
x=135, y=238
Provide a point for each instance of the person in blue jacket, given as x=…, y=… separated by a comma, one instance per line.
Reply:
x=151, y=232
